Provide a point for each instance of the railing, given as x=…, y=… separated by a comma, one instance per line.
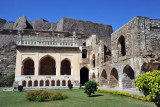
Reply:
x=47, y=41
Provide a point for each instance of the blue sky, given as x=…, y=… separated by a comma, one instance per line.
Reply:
x=111, y=12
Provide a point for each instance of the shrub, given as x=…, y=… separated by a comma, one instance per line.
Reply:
x=45, y=95
x=124, y=94
x=149, y=84
x=90, y=87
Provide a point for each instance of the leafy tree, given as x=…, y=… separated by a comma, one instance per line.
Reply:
x=7, y=81
x=90, y=87
x=149, y=84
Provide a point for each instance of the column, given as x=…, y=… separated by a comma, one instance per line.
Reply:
x=36, y=64
x=58, y=65
x=120, y=77
x=50, y=81
x=38, y=83
x=26, y=83
x=32, y=83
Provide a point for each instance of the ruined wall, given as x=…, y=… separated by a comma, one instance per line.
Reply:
x=86, y=27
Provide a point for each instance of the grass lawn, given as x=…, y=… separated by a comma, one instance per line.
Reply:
x=76, y=99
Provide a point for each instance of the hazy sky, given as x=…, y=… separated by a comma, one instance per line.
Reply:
x=111, y=12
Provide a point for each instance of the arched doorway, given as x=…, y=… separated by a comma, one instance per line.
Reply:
x=121, y=46
x=29, y=83
x=53, y=83
x=65, y=67
x=128, y=77
x=35, y=83
x=24, y=83
x=103, y=78
x=93, y=61
x=47, y=82
x=47, y=66
x=41, y=83
x=28, y=67
x=149, y=67
x=114, y=78
x=63, y=83
x=84, y=75
x=84, y=53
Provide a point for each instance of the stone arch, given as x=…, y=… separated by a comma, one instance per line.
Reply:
x=47, y=83
x=84, y=53
x=58, y=82
x=52, y=83
x=149, y=67
x=63, y=83
x=114, y=78
x=107, y=53
x=24, y=83
x=84, y=75
x=128, y=77
x=29, y=83
x=103, y=78
x=121, y=46
x=47, y=65
x=28, y=67
x=66, y=67
x=41, y=83
x=69, y=82
x=93, y=61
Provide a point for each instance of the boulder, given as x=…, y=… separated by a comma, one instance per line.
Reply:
x=21, y=23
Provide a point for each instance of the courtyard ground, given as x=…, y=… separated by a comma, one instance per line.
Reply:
x=76, y=99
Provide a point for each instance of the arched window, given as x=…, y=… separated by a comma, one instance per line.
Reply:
x=47, y=82
x=121, y=46
x=47, y=66
x=28, y=67
x=93, y=60
x=41, y=83
x=84, y=53
x=93, y=76
x=107, y=53
x=53, y=83
x=65, y=67
x=58, y=82
x=103, y=78
x=104, y=75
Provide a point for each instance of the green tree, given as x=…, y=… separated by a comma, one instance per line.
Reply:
x=90, y=87
x=149, y=84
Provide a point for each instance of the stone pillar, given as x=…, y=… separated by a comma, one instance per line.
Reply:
x=36, y=65
x=50, y=81
x=58, y=65
x=38, y=83
x=32, y=83
x=120, y=77
x=26, y=83
x=44, y=83
x=55, y=82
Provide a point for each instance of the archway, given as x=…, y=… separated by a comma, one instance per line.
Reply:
x=121, y=46
x=149, y=67
x=128, y=77
x=47, y=82
x=103, y=78
x=58, y=82
x=24, y=83
x=41, y=83
x=84, y=75
x=28, y=67
x=114, y=78
x=53, y=83
x=65, y=67
x=47, y=66
x=29, y=83
x=35, y=83
x=84, y=53
x=69, y=82
x=63, y=83
x=93, y=60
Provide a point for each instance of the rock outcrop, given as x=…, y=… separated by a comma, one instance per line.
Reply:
x=2, y=23
x=21, y=23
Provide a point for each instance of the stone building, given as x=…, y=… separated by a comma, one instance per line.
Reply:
x=112, y=61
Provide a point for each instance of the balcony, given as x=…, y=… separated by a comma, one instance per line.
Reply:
x=46, y=41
